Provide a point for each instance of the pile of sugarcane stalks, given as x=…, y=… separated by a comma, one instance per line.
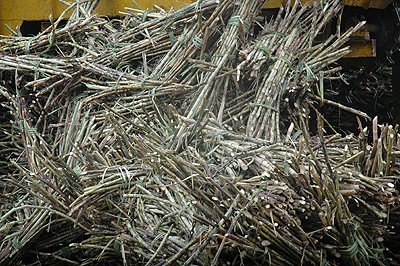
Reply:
x=156, y=140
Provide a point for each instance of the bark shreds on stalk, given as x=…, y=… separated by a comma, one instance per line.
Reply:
x=155, y=139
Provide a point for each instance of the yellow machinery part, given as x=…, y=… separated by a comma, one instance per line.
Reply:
x=14, y=12
x=361, y=48
x=382, y=4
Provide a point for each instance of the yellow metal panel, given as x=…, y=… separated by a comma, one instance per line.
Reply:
x=14, y=12
x=107, y=7
x=361, y=3
x=361, y=48
x=11, y=23
x=19, y=10
x=381, y=4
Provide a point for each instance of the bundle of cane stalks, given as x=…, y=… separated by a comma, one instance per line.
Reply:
x=155, y=139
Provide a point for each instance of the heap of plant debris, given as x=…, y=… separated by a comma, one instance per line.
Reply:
x=182, y=137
